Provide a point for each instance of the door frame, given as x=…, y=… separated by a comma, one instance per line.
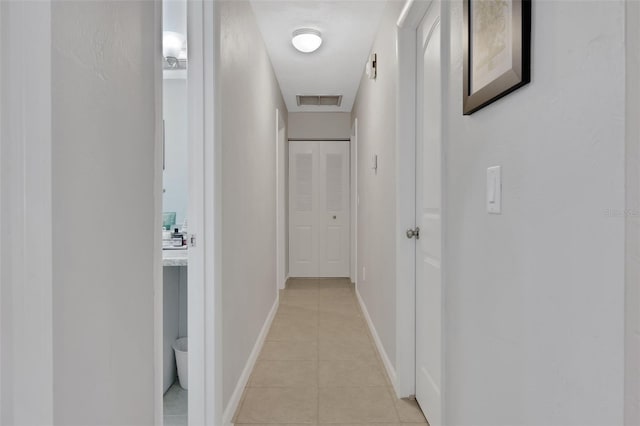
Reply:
x=282, y=162
x=289, y=224
x=408, y=22
x=204, y=282
x=353, y=199
x=158, y=184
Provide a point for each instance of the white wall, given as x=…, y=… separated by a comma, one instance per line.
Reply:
x=319, y=125
x=175, y=176
x=535, y=296
x=375, y=110
x=249, y=94
x=174, y=16
x=26, y=284
x=104, y=240
x=632, y=214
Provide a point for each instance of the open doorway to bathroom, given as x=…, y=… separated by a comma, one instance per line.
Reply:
x=174, y=206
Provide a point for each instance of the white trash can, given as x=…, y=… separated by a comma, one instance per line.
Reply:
x=181, y=349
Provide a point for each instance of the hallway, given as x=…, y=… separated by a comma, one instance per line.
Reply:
x=319, y=364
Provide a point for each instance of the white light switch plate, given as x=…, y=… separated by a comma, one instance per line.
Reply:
x=494, y=190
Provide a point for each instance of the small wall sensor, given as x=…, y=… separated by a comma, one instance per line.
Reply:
x=372, y=66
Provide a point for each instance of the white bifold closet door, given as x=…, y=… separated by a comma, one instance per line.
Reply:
x=319, y=215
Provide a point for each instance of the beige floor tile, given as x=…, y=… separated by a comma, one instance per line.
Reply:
x=361, y=424
x=347, y=333
x=311, y=310
x=284, y=374
x=301, y=298
x=293, y=328
x=335, y=283
x=338, y=292
x=319, y=365
x=369, y=405
x=289, y=350
x=352, y=328
x=342, y=301
x=337, y=320
x=302, y=290
x=309, y=292
x=409, y=411
x=301, y=283
x=340, y=348
x=279, y=405
x=337, y=373
x=344, y=309
x=276, y=424
x=309, y=318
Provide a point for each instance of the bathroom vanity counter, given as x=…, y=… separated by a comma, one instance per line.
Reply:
x=175, y=257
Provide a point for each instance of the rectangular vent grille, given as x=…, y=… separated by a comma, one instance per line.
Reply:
x=319, y=100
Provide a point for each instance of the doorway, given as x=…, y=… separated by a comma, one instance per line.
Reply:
x=175, y=203
x=319, y=209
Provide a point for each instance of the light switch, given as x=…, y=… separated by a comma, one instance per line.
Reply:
x=494, y=190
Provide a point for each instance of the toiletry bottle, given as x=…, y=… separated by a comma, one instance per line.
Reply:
x=176, y=238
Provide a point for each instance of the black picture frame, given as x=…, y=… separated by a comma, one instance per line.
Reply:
x=520, y=72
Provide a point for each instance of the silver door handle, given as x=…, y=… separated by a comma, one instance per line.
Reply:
x=413, y=233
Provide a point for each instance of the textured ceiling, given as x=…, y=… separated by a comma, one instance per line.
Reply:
x=348, y=29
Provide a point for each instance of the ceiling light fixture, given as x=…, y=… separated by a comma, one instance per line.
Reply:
x=174, y=45
x=306, y=40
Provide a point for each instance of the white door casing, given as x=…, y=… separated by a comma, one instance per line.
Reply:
x=319, y=218
x=204, y=217
x=281, y=235
x=429, y=217
x=353, y=152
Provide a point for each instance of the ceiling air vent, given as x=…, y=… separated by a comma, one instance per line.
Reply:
x=319, y=100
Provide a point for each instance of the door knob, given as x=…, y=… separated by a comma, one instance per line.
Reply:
x=413, y=233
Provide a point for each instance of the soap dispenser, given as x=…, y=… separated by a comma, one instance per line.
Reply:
x=177, y=238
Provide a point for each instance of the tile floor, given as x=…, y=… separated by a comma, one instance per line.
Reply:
x=175, y=406
x=319, y=365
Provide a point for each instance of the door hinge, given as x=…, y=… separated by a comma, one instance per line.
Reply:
x=192, y=240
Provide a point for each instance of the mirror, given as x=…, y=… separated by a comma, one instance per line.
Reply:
x=175, y=175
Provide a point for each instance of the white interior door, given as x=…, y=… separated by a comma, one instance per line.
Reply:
x=303, y=209
x=429, y=218
x=319, y=209
x=334, y=208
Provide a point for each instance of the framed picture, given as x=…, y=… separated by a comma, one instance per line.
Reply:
x=497, y=50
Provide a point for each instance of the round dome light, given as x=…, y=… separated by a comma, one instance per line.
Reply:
x=306, y=40
x=174, y=45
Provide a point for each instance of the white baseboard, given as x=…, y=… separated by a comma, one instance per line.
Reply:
x=391, y=371
x=232, y=406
